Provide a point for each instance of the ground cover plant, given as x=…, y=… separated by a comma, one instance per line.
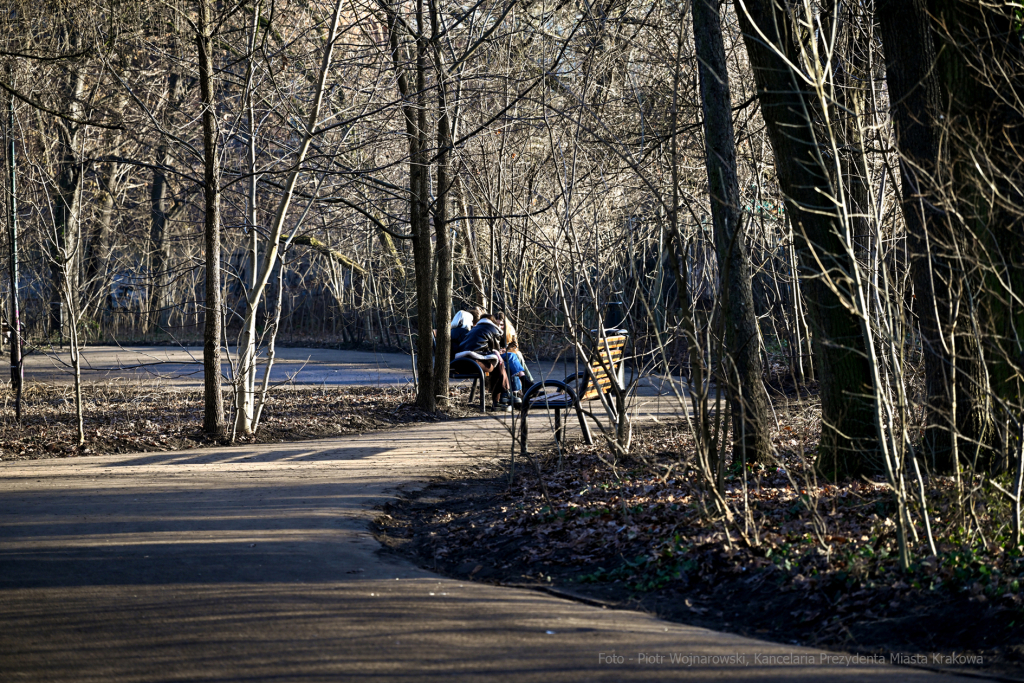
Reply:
x=802, y=560
x=131, y=417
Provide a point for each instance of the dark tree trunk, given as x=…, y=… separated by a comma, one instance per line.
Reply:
x=419, y=217
x=915, y=93
x=213, y=414
x=849, y=443
x=159, y=254
x=17, y=370
x=955, y=235
x=414, y=110
x=97, y=251
x=751, y=438
x=980, y=63
x=442, y=351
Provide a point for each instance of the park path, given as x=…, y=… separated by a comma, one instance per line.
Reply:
x=256, y=563
x=182, y=366
x=299, y=367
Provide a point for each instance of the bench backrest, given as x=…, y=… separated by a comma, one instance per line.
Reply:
x=608, y=354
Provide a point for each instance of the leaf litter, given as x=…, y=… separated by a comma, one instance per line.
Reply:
x=814, y=562
x=821, y=568
x=126, y=417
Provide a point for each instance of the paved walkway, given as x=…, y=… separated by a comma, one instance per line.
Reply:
x=255, y=563
x=297, y=366
x=183, y=366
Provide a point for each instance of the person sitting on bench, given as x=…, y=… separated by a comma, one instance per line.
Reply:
x=483, y=344
x=461, y=325
x=515, y=364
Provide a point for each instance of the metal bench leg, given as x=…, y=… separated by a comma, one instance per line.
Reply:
x=483, y=390
x=583, y=424
x=559, y=430
x=523, y=434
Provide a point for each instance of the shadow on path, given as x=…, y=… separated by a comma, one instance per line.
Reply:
x=255, y=563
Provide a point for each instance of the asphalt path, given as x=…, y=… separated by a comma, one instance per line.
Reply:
x=179, y=366
x=257, y=563
x=183, y=366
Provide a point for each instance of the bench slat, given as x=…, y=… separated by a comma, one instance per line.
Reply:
x=609, y=354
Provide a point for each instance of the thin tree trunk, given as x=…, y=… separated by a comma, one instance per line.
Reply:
x=158, y=242
x=213, y=414
x=97, y=251
x=420, y=220
x=245, y=391
x=442, y=348
x=414, y=110
x=275, y=326
x=17, y=375
x=247, y=341
x=67, y=207
x=751, y=437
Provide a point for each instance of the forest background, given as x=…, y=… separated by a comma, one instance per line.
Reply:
x=810, y=200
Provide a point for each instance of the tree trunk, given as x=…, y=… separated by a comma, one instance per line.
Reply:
x=442, y=348
x=158, y=243
x=953, y=230
x=915, y=93
x=980, y=64
x=849, y=444
x=419, y=218
x=97, y=252
x=245, y=388
x=245, y=392
x=414, y=110
x=17, y=372
x=213, y=414
x=751, y=438
x=67, y=205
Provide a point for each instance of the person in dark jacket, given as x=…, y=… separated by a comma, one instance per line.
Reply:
x=462, y=324
x=483, y=345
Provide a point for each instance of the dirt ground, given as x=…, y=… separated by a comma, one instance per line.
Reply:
x=637, y=540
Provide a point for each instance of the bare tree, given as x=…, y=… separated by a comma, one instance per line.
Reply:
x=751, y=433
x=771, y=30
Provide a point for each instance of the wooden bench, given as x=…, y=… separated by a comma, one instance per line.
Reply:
x=604, y=368
x=586, y=385
x=551, y=394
